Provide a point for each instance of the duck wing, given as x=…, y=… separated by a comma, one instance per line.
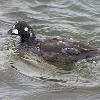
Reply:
x=62, y=51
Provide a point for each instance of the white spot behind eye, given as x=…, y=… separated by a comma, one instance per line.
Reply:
x=15, y=31
x=26, y=29
x=31, y=34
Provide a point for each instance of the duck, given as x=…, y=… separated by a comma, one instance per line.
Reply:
x=59, y=51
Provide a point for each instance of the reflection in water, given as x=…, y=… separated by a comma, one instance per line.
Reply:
x=24, y=76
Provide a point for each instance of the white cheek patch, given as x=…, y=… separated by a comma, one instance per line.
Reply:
x=25, y=29
x=15, y=31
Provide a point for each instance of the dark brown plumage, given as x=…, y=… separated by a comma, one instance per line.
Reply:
x=53, y=50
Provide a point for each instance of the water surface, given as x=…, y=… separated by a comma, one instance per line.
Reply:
x=24, y=76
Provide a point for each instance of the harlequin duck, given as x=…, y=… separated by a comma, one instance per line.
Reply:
x=52, y=49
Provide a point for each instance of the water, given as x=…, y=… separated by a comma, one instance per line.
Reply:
x=24, y=76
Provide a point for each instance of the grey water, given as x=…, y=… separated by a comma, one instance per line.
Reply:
x=25, y=76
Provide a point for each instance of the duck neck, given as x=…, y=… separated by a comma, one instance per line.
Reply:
x=29, y=41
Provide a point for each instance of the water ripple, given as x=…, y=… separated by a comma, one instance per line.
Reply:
x=77, y=19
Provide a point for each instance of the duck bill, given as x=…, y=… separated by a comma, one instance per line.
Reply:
x=13, y=32
x=10, y=32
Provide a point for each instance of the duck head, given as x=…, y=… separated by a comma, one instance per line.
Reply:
x=24, y=30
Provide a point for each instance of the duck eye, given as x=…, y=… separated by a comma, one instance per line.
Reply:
x=13, y=26
x=25, y=29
